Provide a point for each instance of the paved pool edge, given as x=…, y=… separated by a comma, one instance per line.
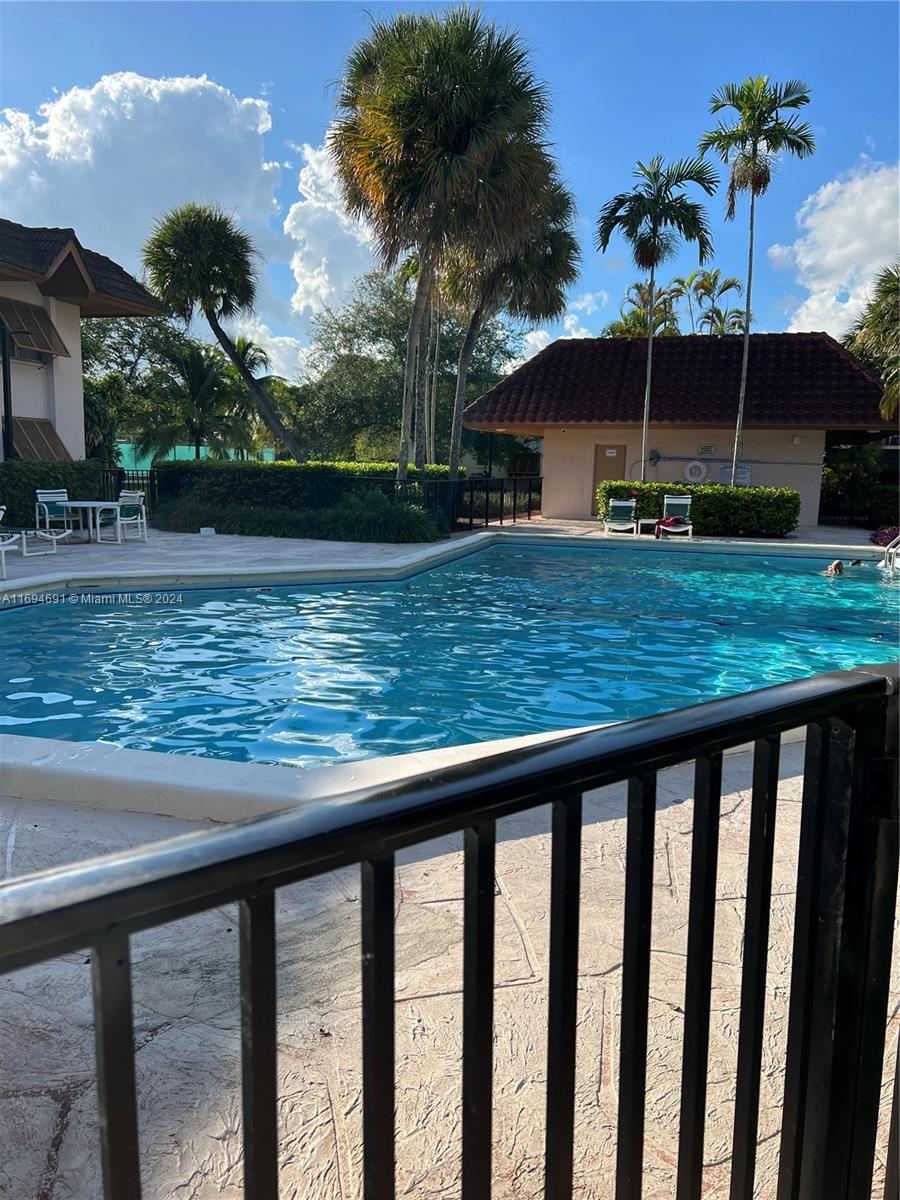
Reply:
x=405, y=566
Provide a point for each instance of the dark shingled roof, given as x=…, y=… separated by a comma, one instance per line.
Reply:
x=34, y=250
x=802, y=379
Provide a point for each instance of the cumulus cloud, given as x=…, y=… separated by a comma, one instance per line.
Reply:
x=848, y=233
x=590, y=302
x=331, y=247
x=110, y=158
x=287, y=355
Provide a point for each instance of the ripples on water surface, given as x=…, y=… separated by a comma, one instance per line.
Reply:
x=508, y=641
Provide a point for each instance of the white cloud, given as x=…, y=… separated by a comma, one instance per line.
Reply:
x=332, y=247
x=111, y=158
x=287, y=355
x=589, y=302
x=849, y=232
x=574, y=328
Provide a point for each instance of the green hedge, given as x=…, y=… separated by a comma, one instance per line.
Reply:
x=19, y=480
x=883, y=505
x=717, y=510
x=307, y=485
x=370, y=518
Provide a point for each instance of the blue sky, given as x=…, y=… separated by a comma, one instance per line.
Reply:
x=627, y=80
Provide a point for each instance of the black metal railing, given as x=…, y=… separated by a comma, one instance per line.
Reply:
x=465, y=503
x=846, y=892
x=116, y=480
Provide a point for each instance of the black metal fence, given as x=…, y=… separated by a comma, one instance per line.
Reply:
x=115, y=481
x=461, y=504
x=845, y=901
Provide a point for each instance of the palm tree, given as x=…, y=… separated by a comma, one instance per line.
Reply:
x=665, y=319
x=875, y=336
x=194, y=404
x=529, y=283
x=440, y=119
x=710, y=288
x=197, y=258
x=750, y=146
x=720, y=321
x=653, y=217
x=682, y=288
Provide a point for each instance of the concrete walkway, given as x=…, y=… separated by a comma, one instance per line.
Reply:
x=188, y=1035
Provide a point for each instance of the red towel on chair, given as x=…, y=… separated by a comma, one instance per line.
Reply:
x=669, y=523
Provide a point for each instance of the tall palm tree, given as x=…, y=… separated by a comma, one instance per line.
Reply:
x=197, y=258
x=529, y=283
x=710, y=288
x=195, y=405
x=750, y=146
x=440, y=119
x=875, y=336
x=682, y=288
x=653, y=218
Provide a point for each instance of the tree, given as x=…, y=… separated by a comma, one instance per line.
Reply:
x=653, y=218
x=665, y=319
x=194, y=404
x=719, y=321
x=197, y=258
x=710, y=288
x=528, y=282
x=682, y=288
x=749, y=146
x=349, y=406
x=875, y=336
x=439, y=118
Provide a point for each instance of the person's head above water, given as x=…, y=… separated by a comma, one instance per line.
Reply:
x=836, y=568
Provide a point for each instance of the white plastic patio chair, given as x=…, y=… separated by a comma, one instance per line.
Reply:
x=131, y=514
x=621, y=517
x=677, y=506
x=6, y=543
x=50, y=510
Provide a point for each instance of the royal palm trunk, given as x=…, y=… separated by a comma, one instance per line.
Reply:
x=739, y=425
x=466, y=350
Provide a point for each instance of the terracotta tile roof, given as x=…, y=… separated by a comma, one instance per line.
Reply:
x=804, y=379
x=34, y=250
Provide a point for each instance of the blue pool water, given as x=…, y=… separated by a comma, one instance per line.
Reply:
x=511, y=640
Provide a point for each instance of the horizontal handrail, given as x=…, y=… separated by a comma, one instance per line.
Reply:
x=59, y=910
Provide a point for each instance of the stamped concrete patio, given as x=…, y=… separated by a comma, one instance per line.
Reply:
x=187, y=1015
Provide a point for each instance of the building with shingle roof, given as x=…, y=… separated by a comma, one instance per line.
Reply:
x=48, y=282
x=585, y=398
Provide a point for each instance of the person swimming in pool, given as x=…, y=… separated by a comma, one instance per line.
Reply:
x=836, y=568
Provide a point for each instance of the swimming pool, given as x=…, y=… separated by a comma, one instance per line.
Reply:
x=510, y=640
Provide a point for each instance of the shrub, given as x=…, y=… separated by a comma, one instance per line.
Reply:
x=19, y=480
x=308, y=485
x=370, y=518
x=882, y=505
x=885, y=535
x=717, y=509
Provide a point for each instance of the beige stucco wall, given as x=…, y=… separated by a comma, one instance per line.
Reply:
x=776, y=457
x=54, y=392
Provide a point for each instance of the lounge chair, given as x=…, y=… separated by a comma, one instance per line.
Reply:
x=621, y=517
x=676, y=507
x=50, y=510
x=131, y=514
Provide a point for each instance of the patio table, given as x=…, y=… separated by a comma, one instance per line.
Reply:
x=92, y=509
x=651, y=521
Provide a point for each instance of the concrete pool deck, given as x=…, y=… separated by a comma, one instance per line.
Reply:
x=172, y=558
x=188, y=1032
